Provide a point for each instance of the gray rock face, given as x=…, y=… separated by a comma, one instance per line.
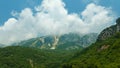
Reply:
x=110, y=31
x=118, y=21
x=66, y=41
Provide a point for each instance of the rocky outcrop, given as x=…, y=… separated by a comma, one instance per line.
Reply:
x=56, y=40
x=110, y=31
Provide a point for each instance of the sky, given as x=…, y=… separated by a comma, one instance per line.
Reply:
x=25, y=19
x=73, y=6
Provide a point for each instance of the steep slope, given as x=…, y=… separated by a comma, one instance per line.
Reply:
x=102, y=54
x=66, y=41
x=110, y=31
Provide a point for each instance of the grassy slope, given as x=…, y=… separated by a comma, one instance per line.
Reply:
x=102, y=54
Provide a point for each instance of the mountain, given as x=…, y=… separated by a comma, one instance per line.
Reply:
x=110, y=31
x=27, y=54
x=66, y=41
x=104, y=53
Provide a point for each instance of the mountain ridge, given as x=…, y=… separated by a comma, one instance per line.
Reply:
x=104, y=53
x=110, y=31
x=66, y=41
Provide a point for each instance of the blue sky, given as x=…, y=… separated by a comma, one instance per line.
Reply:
x=73, y=6
x=7, y=6
x=33, y=18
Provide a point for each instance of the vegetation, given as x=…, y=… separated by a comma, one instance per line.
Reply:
x=102, y=54
x=24, y=57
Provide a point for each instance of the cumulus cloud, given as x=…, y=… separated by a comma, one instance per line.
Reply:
x=51, y=17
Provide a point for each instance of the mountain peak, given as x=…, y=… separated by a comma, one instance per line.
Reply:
x=110, y=31
x=65, y=41
x=118, y=21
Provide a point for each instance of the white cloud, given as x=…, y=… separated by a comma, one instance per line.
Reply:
x=8, y=25
x=52, y=18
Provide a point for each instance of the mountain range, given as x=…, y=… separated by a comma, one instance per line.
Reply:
x=65, y=41
x=104, y=53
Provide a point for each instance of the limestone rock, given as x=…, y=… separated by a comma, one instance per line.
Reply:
x=110, y=31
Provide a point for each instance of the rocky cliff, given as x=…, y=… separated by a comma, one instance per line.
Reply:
x=110, y=31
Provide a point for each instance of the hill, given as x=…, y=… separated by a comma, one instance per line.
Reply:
x=25, y=57
x=102, y=54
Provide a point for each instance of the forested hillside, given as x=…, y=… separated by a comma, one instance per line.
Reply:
x=104, y=53
x=24, y=57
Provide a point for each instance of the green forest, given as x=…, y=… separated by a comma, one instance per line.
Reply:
x=102, y=54
x=25, y=57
